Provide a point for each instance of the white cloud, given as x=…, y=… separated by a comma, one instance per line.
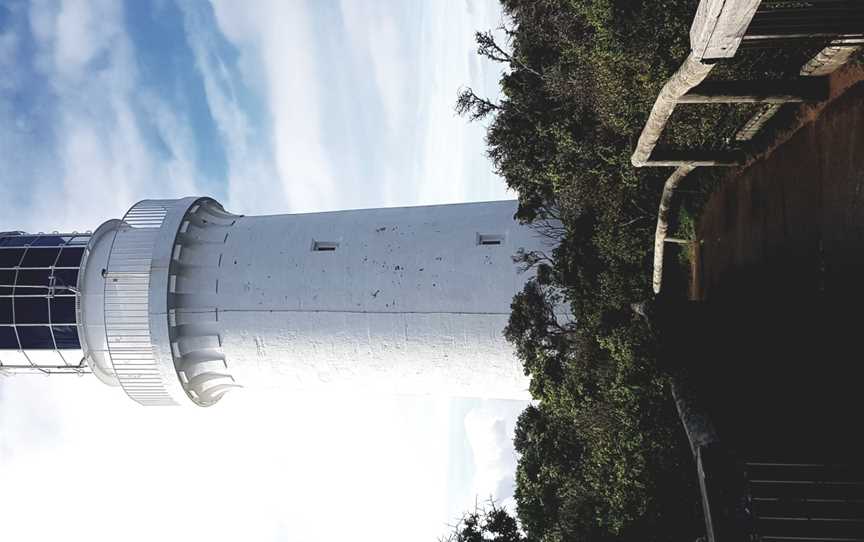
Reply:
x=9, y=43
x=453, y=167
x=308, y=467
x=92, y=160
x=293, y=172
x=489, y=429
x=310, y=63
x=83, y=29
x=375, y=38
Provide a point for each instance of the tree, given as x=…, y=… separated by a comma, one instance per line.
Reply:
x=602, y=455
x=540, y=340
x=490, y=523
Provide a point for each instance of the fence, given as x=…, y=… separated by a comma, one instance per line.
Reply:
x=719, y=29
x=806, y=500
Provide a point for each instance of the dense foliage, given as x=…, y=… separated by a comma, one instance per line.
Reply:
x=489, y=523
x=601, y=453
x=602, y=456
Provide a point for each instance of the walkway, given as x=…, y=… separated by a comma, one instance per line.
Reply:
x=792, y=224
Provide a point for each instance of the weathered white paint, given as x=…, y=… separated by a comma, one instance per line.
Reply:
x=409, y=301
x=91, y=302
x=719, y=26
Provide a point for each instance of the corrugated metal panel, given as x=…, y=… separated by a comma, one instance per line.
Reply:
x=127, y=317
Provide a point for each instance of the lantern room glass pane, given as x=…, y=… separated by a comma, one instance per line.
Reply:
x=40, y=257
x=67, y=337
x=5, y=310
x=35, y=337
x=63, y=310
x=31, y=310
x=7, y=280
x=10, y=257
x=16, y=240
x=31, y=277
x=50, y=241
x=70, y=257
x=65, y=277
x=8, y=340
x=38, y=275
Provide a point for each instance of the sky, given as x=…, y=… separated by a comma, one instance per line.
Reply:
x=270, y=107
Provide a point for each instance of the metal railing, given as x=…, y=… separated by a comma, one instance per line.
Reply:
x=127, y=307
x=806, y=500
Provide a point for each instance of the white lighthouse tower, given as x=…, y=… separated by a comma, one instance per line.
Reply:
x=181, y=301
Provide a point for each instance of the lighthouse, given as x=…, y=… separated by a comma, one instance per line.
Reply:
x=181, y=301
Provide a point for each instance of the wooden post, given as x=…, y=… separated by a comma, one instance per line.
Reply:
x=805, y=89
x=719, y=26
x=663, y=222
x=696, y=157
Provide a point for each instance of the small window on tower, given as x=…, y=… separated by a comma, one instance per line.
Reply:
x=490, y=239
x=324, y=246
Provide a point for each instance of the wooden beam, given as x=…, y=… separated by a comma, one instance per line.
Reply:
x=765, y=36
x=691, y=73
x=719, y=26
x=804, y=89
x=696, y=157
x=663, y=222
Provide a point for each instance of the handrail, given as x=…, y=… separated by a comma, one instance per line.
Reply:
x=716, y=33
x=691, y=73
x=663, y=222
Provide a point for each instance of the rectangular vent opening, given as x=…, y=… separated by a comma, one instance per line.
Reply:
x=324, y=246
x=490, y=239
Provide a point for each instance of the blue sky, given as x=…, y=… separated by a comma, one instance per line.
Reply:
x=270, y=106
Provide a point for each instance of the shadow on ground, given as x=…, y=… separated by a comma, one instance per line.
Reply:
x=777, y=346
